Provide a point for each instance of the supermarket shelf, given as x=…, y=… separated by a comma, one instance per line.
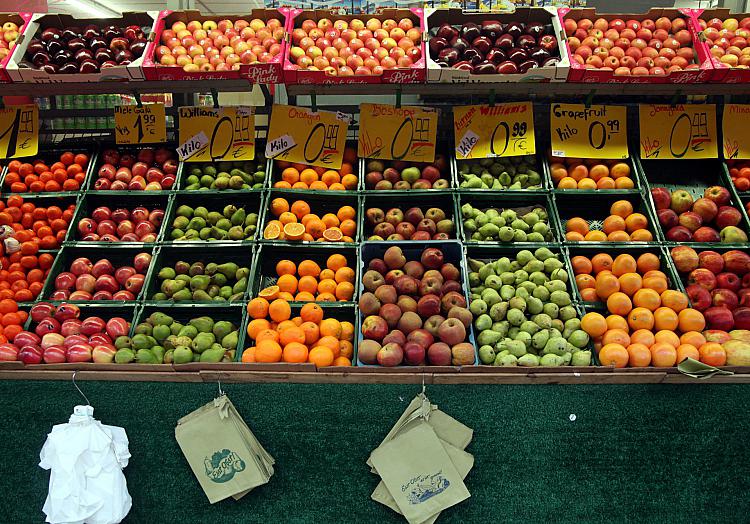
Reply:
x=100, y=88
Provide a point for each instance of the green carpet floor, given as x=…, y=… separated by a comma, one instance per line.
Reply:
x=635, y=453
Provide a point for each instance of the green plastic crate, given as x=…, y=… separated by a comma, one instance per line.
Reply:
x=593, y=192
x=515, y=200
x=694, y=176
x=118, y=255
x=105, y=310
x=445, y=200
x=93, y=177
x=446, y=173
x=214, y=201
x=93, y=199
x=539, y=167
x=320, y=202
x=595, y=210
x=268, y=255
x=260, y=161
x=273, y=175
x=745, y=163
x=242, y=254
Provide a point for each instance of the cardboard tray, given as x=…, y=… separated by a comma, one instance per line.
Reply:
x=557, y=73
x=20, y=71
x=702, y=57
x=722, y=72
x=20, y=19
x=416, y=74
x=259, y=73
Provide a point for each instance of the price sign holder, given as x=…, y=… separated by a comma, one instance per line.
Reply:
x=734, y=131
x=216, y=133
x=145, y=124
x=677, y=131
x=19, y=131
x=397, y=132
x=305, y=136
x=596, y=131
x=494, y=130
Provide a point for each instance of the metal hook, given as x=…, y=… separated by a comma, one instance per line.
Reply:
x=589, y=98
x=215, y=96
x=492, y=98
x=79, y=389
x=137, y=96
x=675, y=98
x=423, y=388
x=314, y=102
x=398, y=97
x=221, y=392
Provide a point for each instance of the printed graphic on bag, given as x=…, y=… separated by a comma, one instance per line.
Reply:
x=424, y=487
x=223, y=465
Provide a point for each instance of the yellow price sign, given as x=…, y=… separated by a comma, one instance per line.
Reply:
x=589, y=132
x=298, y=134
x=216, y=133
x=734, y=131
x=494, y=131
x=19, y=131
x=680, y=131
x=397, y=133
x=140, y=125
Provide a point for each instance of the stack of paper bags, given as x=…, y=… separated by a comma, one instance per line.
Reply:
x=225, y=456
x=422, y=463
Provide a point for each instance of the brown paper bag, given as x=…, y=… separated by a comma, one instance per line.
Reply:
x=419, y=474
x=218, y=452
x=461, y=459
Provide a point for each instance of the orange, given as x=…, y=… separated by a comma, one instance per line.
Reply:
x=349, y=181
x=636, y=221
x=347, y=330
x=337, y=186
x=308, y=284
x=647, y=298
x=346, y=213
x=621, y=208
x=300, y=208
x=312, y=313
x=647, y=262
x=342, y=361
x=333, y=234
x=606, y=284
x=691, y=320
x=330, y=342
x=713, y=354
x=269, y=293
x=286, y=324
x=287, y=283
x=613, y=223
x=557, y=171
x=287, y=217
x=344, y=274
x=598, y=171
x=567, y=183
x=257, y=308
x=336, y=262
x=656, y=283
x=330, y=326
x=606, y=183
x=687, y=351
x=285, y=267
x=577, y=225
x=586, y=183
x=614, y=355
x=594, y=324
x=321, y=356
x=601, y=262
x=655, y=273
x=573, y=236
x=293, y=334
x=639, y=356
x=308, y=268
x=290, y=175
x=294, y=231
x=595, y=236
x=619, y=303
x=617, y=322
x=348, y=227
x=620, y=169
x=345, y=291
x=641, y=235
x=304, y=296
x=272, y=231
x=693, y=338
x=319, y=186
x=346, y=349
x=327, y=285
x=667, y=337
x=665, y=318
x=308, y=176
x=581, y=265
x=279, y=310
x=585, y=282
x=267, y=334
x=330, y=177
x=630, y=283
x=268, y=351
x=624, y=183
x=248, y=356
x=256, y=326
x=294, y=352
x=675, y=300
x=663, y=355
x=279, y=206
x=643, y=336
x=579, y=172
x=330, y=220
x=311, y=331
x=622, y=264
x=315, y=227
x=641, y=318
x=618, y=236
x=326, y=297
x=616, y=336
x=310, y=216
x=285, y=295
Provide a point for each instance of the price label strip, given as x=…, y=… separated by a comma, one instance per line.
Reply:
x=140, y=125
x=734, y=131
x=229, y=133
x=397, y=133
x=19, y=131
x=597, y=131
x=298, y=134
x=681, y=131
x=494, y=131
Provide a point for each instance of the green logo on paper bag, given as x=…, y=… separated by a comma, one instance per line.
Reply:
x=223, y=465
x=424, y=487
